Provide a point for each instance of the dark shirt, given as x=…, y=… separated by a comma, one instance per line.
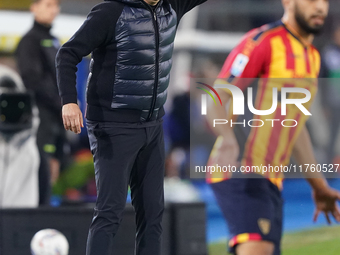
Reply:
x=36, y=62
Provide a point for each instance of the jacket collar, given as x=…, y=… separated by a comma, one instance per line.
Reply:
x=42, y=27
x=296, y=35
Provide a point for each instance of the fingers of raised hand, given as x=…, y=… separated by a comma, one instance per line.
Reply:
x=327, y=218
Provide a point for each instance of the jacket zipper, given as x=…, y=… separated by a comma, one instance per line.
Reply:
x=155, y=87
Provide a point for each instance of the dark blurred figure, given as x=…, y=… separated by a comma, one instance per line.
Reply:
x=179, y=121
x=35, y=58
x=177, y=163
x=330, y=90
x=180, y=124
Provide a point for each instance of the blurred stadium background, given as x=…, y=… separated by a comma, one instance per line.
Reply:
x=206, y=36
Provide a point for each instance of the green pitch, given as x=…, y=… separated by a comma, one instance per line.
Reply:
x=320, y=241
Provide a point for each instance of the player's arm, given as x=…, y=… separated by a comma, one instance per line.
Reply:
x=325, y=197
x=247, y=60
x=228, y=149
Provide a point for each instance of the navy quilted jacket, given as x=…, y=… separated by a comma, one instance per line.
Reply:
x=131, y=44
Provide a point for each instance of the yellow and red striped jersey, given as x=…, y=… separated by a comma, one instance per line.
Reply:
x=275, y=54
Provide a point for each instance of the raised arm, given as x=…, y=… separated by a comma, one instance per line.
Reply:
x=181, y=7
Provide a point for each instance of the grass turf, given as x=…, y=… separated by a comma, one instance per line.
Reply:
x=320, y=241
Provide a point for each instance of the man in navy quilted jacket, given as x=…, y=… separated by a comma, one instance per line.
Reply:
x=131, y=42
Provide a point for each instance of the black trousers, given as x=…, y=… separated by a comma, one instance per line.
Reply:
x=127, y=154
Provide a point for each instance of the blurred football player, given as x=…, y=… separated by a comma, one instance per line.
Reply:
x=253, y=206
x=35, y=57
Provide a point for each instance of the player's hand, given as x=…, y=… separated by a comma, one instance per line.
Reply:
x=326, y=201
x=225, y=151
x=72, y=118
